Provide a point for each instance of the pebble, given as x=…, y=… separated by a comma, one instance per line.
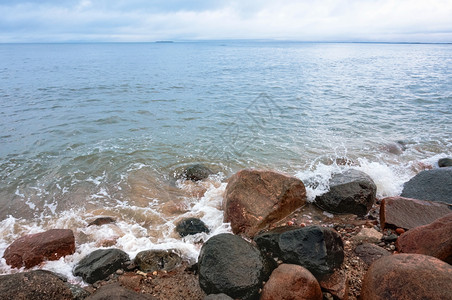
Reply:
x=119, y=271
x=400, y=231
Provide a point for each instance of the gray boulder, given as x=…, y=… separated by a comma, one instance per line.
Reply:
x=37, y=285
x=228, y=264
x=318, y=249
x=154, y=260
x=352, y=192
x=99, y=264
x=433, y=185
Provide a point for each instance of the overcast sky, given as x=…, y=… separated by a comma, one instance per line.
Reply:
x=149, y=20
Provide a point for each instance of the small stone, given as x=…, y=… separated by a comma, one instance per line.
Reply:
x=400, y=231
x=392, y=247
x=368, y=235
x=119, y=272
x=390, y=238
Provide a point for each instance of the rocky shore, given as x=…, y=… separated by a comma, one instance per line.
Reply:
x=346, y=245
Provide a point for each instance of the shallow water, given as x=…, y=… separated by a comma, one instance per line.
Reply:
x=101, y=129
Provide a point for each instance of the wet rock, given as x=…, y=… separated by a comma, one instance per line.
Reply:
x=154, y=260
x=254, y=199
x=370, y=252
x=131, y=281
x=407, y=276
x=78, y=293
x=30, y=250
x=368, y=235
x=99, y=221
x=116, y=292
x=99, y=264
x=445, y=162
x=228, y=264
x=39, y=285
x=394, y=148
x=336, y=284
x=390, y=238
x=318, y=249
x=434, y=239
x=433, y=185
x=196, y=172
x=408, y=213
x=191, y=226
x=217, y=297
x=291, y=282
x=350, y=192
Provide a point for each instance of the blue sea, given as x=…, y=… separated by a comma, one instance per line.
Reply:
x=104, y=129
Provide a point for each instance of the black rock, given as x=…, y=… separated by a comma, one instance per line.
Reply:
x=38, y=284
x=116, y=292
x=100, y=264
x=350, y=192
x=217, y=297
x=370, y=252
x=153, y=260
x=318, y=249
x=433, y=185
x=196, y=172
x=228, y=264
x=191, y=226
x=445, y=162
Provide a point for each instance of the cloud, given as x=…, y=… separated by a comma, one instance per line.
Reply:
x=139, y=20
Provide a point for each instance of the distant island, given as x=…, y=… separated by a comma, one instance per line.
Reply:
x=165, y=42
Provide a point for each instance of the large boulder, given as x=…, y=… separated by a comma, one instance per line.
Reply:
x=36, y=285
x=434, y=239
x=399, y=212
x=228, y=264
x=191, y=226
x=291, y=282
x=99, y=264
x=117, y=292
x=351, y=192
x=407, y=277
x=30, y=250
x=155, y=260
x=433, y=185
x=318, y=249
x=255, y=199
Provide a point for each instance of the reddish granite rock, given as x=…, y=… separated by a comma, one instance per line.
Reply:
x=291, y=282
x=254, y=199
x=434, y=239
x=408, y=213
x=407, y=277
x=31, y=250
x=336, y=284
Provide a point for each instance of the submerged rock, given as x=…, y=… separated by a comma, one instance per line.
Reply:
x=228, y=264
x=196, y=172
x=399, y=212
x=99, y=264
x=154, y=260
x=36, y=284
x=30, y=250
x=291, y=282
x=191, y=226
x=350, y=192
x=255, y=199
x=407, y=276
x=434, y=239
x=318, y=249
x=99, y=221
x=433, y=185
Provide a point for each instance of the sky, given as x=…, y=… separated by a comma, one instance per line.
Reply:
x=149, y=20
